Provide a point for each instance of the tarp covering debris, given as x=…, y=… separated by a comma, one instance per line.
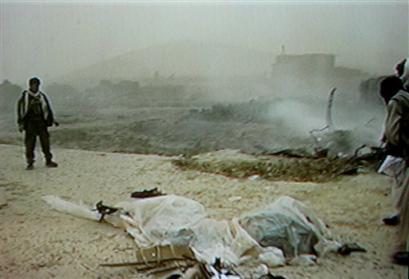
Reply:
x=283, y=230
x=289, y=225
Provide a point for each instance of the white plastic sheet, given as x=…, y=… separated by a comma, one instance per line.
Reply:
x=286, y=224
x=291, y=226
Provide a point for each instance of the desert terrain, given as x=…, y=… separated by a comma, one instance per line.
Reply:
x=38, y=242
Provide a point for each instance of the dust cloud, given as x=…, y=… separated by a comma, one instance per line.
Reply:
x=174, y=78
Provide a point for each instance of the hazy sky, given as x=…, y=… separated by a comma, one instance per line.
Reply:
x=52, y=39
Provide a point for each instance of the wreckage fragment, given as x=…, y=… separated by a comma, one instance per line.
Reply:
x=104, y=210
x=147, y=194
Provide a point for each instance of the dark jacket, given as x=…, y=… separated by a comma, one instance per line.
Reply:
x=22, y=109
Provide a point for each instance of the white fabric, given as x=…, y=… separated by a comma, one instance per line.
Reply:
x=394, y=167
x=291, y=225
x=180, y=221
x=71, y=208
x=405, y=75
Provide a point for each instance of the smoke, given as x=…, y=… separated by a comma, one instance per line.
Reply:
x=299, y=117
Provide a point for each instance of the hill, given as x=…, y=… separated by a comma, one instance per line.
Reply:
x=179, y=59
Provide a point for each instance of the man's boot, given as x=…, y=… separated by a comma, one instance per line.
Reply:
x=392, y=220
x=30, y=166
x=51, y=164
x=401, y=258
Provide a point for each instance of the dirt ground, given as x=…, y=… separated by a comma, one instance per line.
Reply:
x=38, y=242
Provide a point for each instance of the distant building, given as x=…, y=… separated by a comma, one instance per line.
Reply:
x=305, y=65
x=316, y=72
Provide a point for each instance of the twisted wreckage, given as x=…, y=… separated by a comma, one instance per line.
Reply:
x=175, y=238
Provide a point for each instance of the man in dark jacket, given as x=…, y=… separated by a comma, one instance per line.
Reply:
x=34, y=116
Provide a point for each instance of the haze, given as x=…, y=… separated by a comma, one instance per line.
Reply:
x=51, y=40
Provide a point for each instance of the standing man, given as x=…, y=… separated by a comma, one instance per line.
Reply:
x=397, y=142
x=34, y=116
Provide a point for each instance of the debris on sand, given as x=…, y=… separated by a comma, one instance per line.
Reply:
x=147, y=194
x=104, y=210
x=285, y=164
x=349, y=248
x=275, y=169
x=175, y=236
x=3, y=200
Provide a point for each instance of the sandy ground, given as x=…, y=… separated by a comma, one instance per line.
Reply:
x=37, y=242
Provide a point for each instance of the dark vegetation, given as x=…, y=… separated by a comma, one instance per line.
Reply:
x=171, y=118
x=275, y=168
x=251, y=111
